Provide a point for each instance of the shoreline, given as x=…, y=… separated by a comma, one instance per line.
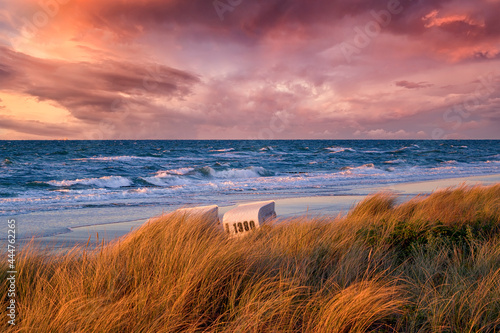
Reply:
x=380, y=268
x=285, y=208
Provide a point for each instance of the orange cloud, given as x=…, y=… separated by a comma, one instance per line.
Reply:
x=433, y=20
x=229, y=77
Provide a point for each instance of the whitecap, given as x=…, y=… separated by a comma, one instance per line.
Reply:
x=250, y=172
x=123, y=158
x=107, y=181
x=169, y=177
x=368, y=168
x=335, y=150
x=178, y=171
x=221, y=150
x=396, y=161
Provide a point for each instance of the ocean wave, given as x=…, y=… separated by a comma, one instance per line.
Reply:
x=178, y=172
x=221, y=150
x=37, y=183
x=250, y=172
x=218, y=183
x=364, y=169
x=364, y=166
x=402, y=149
x=170, y=177
x=124, y=158
x=107, y=181
x=396, y=161
x=7, y=161
x=228, y=154
x=189, y=172
x=185, y=176
x=335, y=150
x=374, y=152
x=165, y=180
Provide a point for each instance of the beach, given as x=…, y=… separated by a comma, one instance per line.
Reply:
x=64, y=193
x=417, y=266
x=309, y=206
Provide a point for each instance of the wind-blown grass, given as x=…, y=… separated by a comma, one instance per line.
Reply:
x=428, y=265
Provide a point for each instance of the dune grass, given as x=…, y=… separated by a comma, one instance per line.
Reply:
x=428, y=265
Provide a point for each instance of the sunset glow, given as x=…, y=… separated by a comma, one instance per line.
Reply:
x=240, y=69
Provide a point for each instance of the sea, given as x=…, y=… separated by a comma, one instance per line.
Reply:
x=50, y=187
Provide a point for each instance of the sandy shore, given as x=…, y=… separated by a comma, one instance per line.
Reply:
x=310, y=206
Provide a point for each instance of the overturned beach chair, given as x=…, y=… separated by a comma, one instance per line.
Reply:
x=247, y=217
x=209, y=213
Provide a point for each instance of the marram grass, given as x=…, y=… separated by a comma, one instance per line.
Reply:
x=429, y=265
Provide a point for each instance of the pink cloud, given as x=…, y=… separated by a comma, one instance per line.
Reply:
x=413, y=85
x=230, y=77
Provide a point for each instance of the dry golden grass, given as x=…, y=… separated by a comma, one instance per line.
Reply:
x=429, y=265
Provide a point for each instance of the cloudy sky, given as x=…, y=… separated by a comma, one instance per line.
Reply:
x=246, y=69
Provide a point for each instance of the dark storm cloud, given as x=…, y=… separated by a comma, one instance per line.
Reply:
x=238, y=68
x=34, y=127
x=413, y=85
x=88, y=90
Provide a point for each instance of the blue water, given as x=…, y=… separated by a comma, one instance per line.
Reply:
x=57, y=176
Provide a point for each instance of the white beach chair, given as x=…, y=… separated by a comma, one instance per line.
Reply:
x=247, y=217
x=210, y=213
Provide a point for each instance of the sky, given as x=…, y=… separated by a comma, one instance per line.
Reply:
x=242, y=69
